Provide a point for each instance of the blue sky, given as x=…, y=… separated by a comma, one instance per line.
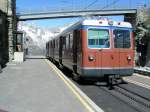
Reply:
x=59, y=5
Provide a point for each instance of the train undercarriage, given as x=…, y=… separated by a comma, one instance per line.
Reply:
x=108, y=80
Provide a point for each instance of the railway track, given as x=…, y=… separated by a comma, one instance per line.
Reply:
x=138, y=101
x=134, y=100
x=131, y=98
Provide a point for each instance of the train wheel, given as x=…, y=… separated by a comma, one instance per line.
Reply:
x=109, y=80
x=77, y=78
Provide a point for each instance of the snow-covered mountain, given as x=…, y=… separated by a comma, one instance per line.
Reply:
x=35, y=37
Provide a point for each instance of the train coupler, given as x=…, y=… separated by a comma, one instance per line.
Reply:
x=110, y=80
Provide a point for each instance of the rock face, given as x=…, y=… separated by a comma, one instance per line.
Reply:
x=143, y=36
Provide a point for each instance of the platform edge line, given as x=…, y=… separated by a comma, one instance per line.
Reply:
x=82, y=97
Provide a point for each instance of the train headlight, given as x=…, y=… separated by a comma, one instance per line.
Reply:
x=91, y=58
x=129, y=58
x=110, y=23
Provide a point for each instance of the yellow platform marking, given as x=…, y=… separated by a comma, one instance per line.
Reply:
x=70, y=85
x=137, y=83
x=146, y=77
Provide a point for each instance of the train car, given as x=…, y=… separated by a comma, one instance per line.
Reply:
x=95, y=48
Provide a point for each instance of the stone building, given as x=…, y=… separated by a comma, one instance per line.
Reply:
x=3, y=38
x=9, y=8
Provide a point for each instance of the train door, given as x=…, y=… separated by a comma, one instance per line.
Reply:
x=95, y=50
x=122, y=41
x=106, y=52
x=46, y=49
x=60, y=49
x=76, y=35
x=53, y=42
x=99, y=43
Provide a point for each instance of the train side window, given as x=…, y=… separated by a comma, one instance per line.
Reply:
x=51, y=44
x=54, y=43
x=121, y=38
x=98, y=38
x=64, y=42
x=71, y=40
x=67, y=41
x=58, y=43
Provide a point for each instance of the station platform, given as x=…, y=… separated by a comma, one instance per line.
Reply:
x=140, y=80
x=35, y=86
x=142, y=70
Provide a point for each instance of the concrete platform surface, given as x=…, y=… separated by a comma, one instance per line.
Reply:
x=33, y=86
x=143, y=81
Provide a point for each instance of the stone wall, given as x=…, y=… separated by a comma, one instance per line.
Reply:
x=9, y=7
x=3, y=38
x=12, y=26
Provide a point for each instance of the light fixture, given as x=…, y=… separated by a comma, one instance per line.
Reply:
x=110, y=23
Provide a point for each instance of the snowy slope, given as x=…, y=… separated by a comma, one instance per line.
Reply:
x=35, y=37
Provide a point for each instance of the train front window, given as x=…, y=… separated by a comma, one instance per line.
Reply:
x=122, y=38
x=98, y=38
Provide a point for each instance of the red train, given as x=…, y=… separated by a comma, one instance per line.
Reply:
x=95, y=48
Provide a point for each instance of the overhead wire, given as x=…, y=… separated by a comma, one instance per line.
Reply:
x=92, y=3
x=109, y=5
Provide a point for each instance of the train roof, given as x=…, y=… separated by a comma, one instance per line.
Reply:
x=106, y=23
x=95, y=22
